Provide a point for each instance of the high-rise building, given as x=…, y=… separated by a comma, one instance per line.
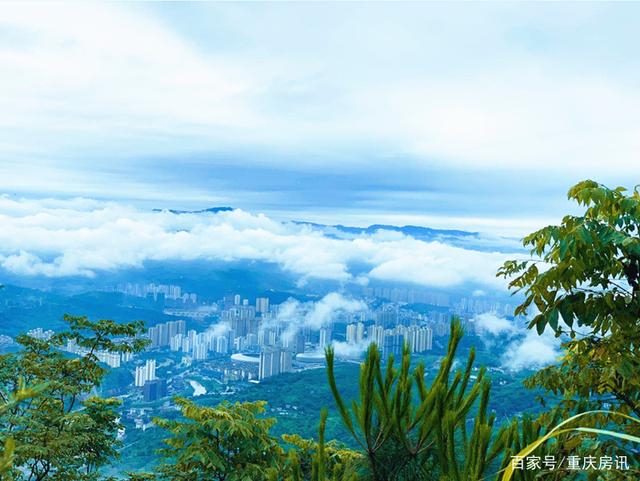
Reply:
x=154, y=336
x=393, y=342
x=252, y=340
x=111, y=359
x=262, y=305
x=355, y=333
x=376, y=334
x=39, y=333
x=299, y=345
x=145, y=373
x=294, y=342
x=154, y=390
x=360, y=332
x=351, y=333
x=162, y=334
x=325, y=337
x=175, y=343
x=222, y=346
x=239, y=326
x=274, y=361
x=236, y=299
x=285, y=361
x=267, y=337
x=177, y=327
x=269, y=363
x=200, y=348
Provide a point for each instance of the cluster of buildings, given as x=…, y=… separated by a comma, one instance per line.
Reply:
x=410, y=296
x=254, y=329
x=153, y=388
x=166, y=291
x=145, y=373
x=274, y=361
x=162, y=334
x=392, y=341
x=263, y=345
x=478, y=305
x=458, y=305
x=174, y=335
x=39, y=333
x=111, y=359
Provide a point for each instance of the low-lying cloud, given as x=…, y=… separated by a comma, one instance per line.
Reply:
x=296, y=315
x=490, y=323
x=349, y=350
x=532, y=351
x=525, y=349
x=81, y=237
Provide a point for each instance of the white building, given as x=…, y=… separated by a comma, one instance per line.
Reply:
x=145, y=373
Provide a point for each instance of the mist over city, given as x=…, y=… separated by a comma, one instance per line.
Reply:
x=240, y=212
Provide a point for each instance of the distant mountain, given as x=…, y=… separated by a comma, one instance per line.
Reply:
x=213, y=210
x=460, y=238
x=414, y=231
x=417, y=232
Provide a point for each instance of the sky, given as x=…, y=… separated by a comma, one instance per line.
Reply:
x=463, y=115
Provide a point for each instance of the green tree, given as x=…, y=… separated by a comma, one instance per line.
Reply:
x=583, y=282
x=67, y=432
x=321, y=460
x=232, y=442
x=9, y=401
x=410, y=430
x=228, y=442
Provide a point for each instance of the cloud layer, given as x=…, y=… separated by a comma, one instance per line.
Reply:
x=485, y=111
x=83, y=237
x=136, y=79
x=525, y=349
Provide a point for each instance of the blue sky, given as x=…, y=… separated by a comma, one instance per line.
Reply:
x=472, y=115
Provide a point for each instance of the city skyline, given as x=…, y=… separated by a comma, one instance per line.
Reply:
x=349, y=240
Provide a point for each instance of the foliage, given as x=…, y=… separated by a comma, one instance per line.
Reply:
x=8, y=402
x=229, y=442
x=322, y=460
x=559, y=430
x=404, y=437
x=584, y=280
x=65, y=433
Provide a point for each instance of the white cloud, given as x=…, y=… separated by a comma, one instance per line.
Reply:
x=522, y=347
x=333, y=302
x=82, y=237
x=349, y=350
x=490, y=323
x=119, y=80
x=219, y=329
x=110, y=74
x=295, y=315
x=532, y=351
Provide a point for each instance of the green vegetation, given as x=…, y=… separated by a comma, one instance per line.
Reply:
x=224, y=443
x=403, y=439
x=9, y=401
x=64, y=433
x=584, y=280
